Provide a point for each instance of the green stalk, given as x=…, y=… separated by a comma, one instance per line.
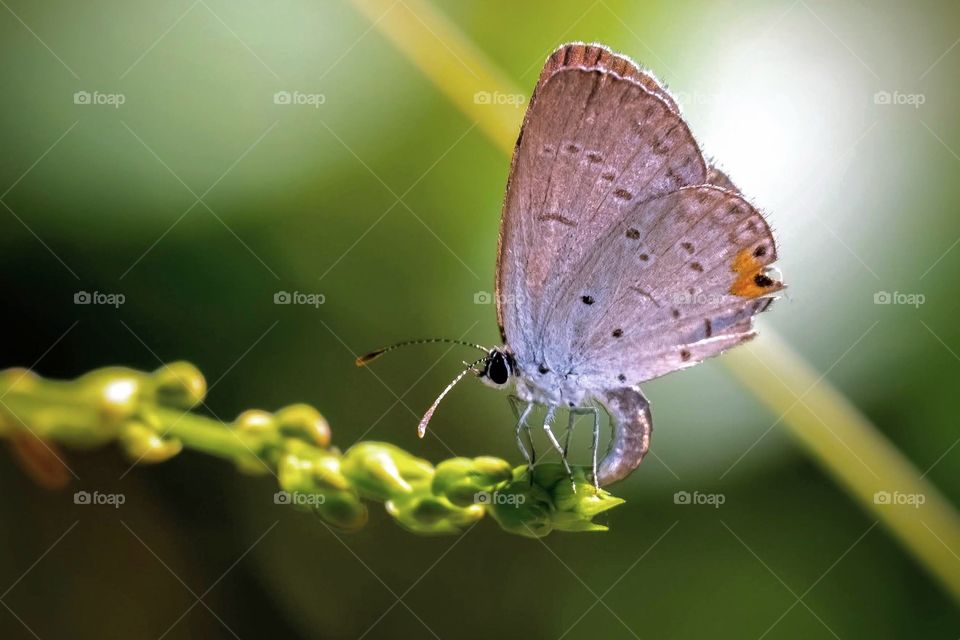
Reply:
x=150, y=416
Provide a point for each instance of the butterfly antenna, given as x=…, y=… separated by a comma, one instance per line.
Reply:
x=422, y=427
x=373, y=355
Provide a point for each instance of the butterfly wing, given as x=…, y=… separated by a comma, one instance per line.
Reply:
x=678, y=279
x=598, y=56
x=720, y=179
x=594, y=144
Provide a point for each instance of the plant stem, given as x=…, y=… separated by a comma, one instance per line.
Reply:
x=149, y=415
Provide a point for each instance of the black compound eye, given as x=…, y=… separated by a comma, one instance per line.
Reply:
x=497, y=370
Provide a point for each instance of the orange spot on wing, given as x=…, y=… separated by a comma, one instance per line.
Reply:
x=749, y=271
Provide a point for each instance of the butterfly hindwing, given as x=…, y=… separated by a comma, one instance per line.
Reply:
x=677, y=280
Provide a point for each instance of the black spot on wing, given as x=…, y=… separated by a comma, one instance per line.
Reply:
x=762, y=280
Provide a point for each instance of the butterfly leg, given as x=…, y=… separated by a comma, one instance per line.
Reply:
x=595, y=414
x=585, y=411
x=596, y=445
x=572, y=416
x=521, y=416
x=571, y=419
x=522, y=425
x=551, y=411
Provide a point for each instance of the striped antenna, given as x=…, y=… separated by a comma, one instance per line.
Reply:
x=373, y=355
x=422, y=427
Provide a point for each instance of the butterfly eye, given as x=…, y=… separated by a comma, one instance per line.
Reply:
x=497, y=369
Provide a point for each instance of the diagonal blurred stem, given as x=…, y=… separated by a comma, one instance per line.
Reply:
x=832, y=430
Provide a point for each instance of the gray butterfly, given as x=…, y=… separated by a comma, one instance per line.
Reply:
x=623, y=256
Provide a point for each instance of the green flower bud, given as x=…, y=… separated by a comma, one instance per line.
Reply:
x=295, y=474
x=143, y=444
x=303, y=421
x=258, y=430
x=427, y=514
x=120, y=399
x=577, y=506
x=520, y=507
x=312, y=469
x=460, y=479
x=18, y=380
x=381, y=470
x=495, y=469
x=179, y=384
x=343, y=510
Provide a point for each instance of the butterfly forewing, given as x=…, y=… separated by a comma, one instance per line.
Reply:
x=596, y=56
x=594, y=145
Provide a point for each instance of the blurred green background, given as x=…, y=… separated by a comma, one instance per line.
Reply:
x=200, y=197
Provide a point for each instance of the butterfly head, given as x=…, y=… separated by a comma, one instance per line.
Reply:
x=498, y=367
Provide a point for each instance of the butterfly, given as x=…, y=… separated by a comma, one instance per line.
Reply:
x=623, y=256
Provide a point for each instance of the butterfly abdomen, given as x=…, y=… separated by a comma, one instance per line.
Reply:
x=632, y=427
